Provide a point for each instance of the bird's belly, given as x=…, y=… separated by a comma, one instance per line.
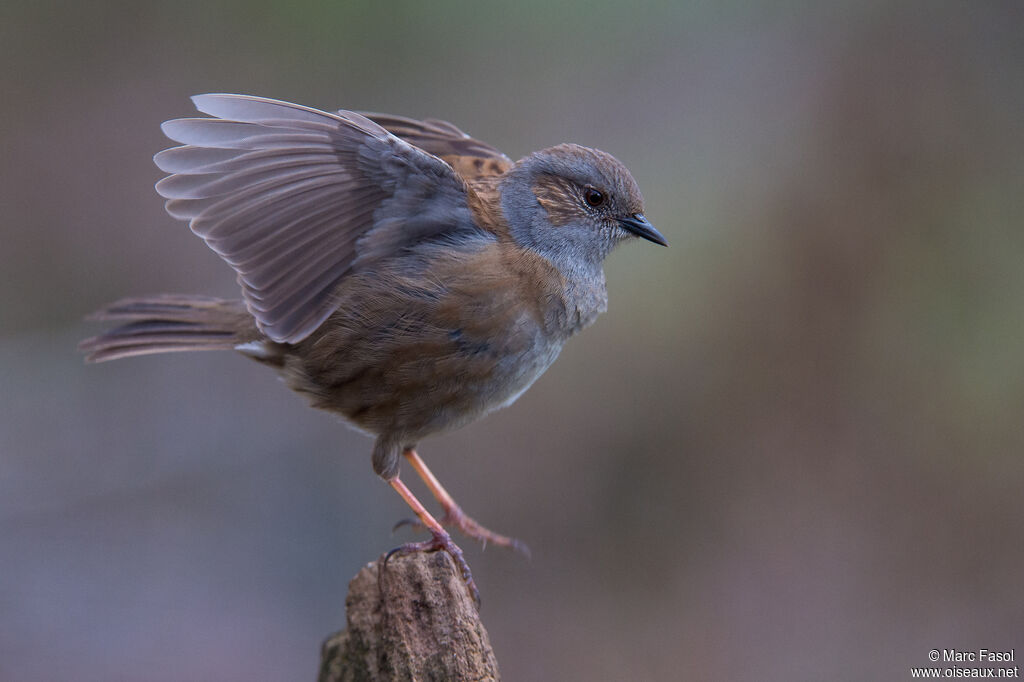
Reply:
x=458, y=400
x=421, y=387
x=513, y=382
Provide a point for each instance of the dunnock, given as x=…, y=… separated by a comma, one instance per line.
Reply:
x=397, y=272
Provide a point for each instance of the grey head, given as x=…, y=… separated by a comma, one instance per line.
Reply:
x=573, y=205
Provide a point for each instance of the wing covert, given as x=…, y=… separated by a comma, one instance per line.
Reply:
x=470, y=157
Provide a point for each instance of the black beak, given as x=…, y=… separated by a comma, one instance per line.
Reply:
x=638, y=225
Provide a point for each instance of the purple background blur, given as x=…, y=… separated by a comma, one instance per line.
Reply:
x=792, y=449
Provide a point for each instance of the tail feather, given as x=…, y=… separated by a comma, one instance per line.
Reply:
x=169, y=323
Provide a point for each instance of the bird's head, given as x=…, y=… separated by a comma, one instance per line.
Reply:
x=573, y=204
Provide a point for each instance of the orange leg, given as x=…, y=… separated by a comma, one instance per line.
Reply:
x=440, y=540
x=453, y=514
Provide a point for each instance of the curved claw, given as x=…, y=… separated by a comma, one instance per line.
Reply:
x=439, y=541
x=415, y=524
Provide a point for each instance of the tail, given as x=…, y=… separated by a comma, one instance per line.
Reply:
x=170, y=323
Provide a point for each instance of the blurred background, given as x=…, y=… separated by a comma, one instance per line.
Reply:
x=792, y=449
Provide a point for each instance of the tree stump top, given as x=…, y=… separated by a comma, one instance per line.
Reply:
x=414, y=621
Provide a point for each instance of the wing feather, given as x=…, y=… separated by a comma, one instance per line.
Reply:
x=294, y=198
x=466, y=154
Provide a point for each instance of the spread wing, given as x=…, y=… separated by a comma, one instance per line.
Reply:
x=470, y=157
x=294, y=199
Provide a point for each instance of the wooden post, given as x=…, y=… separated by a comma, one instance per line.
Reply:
x=416, y=621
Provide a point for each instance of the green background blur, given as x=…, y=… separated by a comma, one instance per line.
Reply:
x=793, y=448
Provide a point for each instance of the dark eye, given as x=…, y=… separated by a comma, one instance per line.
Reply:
x=593, y=197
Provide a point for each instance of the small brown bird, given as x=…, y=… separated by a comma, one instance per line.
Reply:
x=397, y=272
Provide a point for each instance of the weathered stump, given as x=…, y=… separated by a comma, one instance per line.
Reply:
x=416, y=621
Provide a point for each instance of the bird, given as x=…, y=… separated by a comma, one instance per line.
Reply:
x=396, y=272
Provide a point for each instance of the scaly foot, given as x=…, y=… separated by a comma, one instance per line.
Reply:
x=439, y=541
x=456, y=518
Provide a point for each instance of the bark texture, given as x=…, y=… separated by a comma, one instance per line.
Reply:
x=413, y=621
